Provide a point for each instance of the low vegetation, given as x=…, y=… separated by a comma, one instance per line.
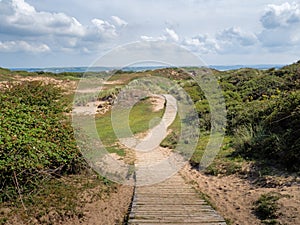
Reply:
x=266, y=208
x=36, y=137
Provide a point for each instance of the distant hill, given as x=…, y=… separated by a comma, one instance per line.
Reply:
x=140, y=68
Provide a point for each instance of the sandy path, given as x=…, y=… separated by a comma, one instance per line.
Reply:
x=153, y=137
x=153, y=163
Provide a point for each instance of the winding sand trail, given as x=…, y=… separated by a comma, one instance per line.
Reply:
x=154, y=164
x=161, y=195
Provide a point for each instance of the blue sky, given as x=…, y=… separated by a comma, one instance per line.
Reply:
x=35, y=33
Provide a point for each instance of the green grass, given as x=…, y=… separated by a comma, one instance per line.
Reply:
x=105, y=129
x=142, y=117
x=139, y=121
x=125, y=77
x=5, y=75
x=172, y=139
x=116, y=149
x=224, y=163
x=199, y=151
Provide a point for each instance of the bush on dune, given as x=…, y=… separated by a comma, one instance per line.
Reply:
x=270, y=129
x=36, y=138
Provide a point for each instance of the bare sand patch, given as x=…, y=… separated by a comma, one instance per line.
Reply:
x=108, y=211
x=157, y=102
x=67, y=85
x=234, y=197
x=64, y=84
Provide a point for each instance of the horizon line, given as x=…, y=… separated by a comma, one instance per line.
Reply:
x=210, y=65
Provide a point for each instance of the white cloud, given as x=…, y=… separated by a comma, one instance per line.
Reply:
x=119, y=22
x=17, y=46
x=280, y=15
x=60, y=31
x=21, y=5
x=149, y=38
x=201, y=44
x=232, y=39
x=104, y=27
x=18, y=17
x=281, y=25
x=171, y=34
x=235, y=40
x=235, y=35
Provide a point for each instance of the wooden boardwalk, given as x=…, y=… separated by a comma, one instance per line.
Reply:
x=171, y=202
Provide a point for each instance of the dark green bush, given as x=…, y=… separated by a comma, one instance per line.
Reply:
x=275, y=136
x=170, y=141
x=36, y=138
x=266, y=206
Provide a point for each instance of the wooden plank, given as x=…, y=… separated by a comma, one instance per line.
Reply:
x=171, y=202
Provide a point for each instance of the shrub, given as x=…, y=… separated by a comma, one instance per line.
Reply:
x=170, y=141
x=275, y=136
x=36, y=138
x=266, y=206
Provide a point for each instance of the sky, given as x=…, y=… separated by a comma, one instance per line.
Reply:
x=56, y=33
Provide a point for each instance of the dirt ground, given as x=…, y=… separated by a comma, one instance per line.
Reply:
x=105, y=212
x=108, y=211
x=234, y=196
